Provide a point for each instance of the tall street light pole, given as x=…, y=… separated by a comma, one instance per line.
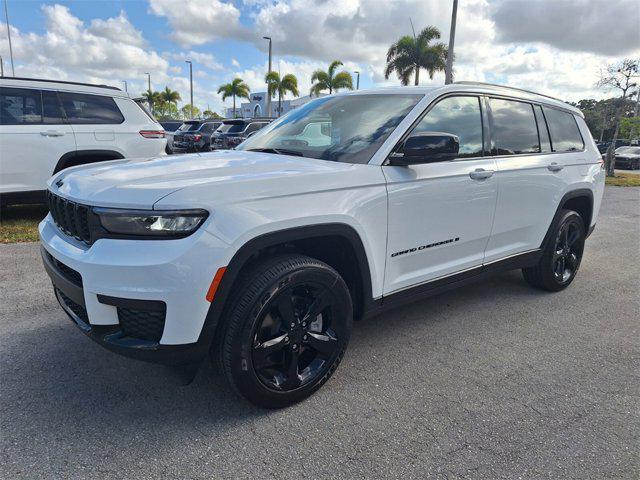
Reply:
x=149, y=80
x=357, y=79
x=269, y=71
x=190, y=85
x=448, y=75
x=1, y=67
x=6, y=16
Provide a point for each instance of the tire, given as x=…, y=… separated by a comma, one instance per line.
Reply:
x=562, y=255
x=287, y=328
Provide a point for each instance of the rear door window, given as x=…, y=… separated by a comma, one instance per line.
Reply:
x=82, y=108
x=565, y=135
x=514, y=128
x=20, y=106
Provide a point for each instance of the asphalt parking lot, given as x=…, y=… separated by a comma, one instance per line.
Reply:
x=493, y=381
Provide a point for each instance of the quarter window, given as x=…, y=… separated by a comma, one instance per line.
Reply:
x=20, y=106
x=458, y=116
x=514, y=127
x=565, y=135
x=90, y=109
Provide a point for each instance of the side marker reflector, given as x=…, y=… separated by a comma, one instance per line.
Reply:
x=215, y=283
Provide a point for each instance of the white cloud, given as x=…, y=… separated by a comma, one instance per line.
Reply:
x=235, y=63
x=206, y=60
x=70, y=50
x=196, y=22
x=117, y=29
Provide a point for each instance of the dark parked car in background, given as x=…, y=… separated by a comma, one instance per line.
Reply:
x=194, y=136
x=170, y=127
x=628, y=157
x=233, y=132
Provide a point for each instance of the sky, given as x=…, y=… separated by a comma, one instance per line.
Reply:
x=556, y=47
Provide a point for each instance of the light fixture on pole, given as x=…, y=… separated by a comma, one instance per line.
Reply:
x=125, y=85
x=149, y=80
x=190, y=85
x=448, y=73
x=6, y=16
x=268, y=71
x=357, y=79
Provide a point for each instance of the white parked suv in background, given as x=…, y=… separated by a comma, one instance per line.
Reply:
x=263, y=255
x=46, y=126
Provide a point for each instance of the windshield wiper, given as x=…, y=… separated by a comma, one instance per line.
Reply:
x=279, y=151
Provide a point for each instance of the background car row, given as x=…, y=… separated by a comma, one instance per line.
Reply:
x=211, y=134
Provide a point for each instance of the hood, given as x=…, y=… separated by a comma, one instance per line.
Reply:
x=141, y=183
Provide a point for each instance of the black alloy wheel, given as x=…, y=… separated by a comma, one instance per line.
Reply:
x=562, y=255
x=294, y=342
x=286, y=330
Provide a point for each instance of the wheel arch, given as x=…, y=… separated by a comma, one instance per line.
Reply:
x=579, y=200
x=337, y=244
x=82, y=157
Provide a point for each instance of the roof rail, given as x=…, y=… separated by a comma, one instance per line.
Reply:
x=468, y=82
x=61, y=81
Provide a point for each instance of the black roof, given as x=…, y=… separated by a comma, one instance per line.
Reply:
x=63, y=81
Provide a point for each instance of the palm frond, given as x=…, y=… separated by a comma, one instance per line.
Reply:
x=342, y=80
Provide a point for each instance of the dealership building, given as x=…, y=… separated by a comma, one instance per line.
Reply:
x=257, y=106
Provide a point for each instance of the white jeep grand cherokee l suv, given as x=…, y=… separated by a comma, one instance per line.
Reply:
x=263, y=255
x=46, y=126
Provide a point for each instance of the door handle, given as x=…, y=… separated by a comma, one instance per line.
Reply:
x=555, y=167
x=52, y=133
x=480, y=174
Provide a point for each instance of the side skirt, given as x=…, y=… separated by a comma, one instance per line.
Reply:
x=450, y=282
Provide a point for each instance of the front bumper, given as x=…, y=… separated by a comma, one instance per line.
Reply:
x=141, y=298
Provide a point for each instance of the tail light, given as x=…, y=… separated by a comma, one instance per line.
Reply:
x=197, y=137
x=152, y=133
x=234, y=141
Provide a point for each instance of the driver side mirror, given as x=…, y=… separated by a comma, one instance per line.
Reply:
x=426, y=147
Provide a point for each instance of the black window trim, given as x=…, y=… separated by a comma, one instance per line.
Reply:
x=483, y=119
x=546, y=126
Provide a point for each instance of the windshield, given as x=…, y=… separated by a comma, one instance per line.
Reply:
x=231, y=128
x=189, y=127
x=631, y=150
x=347, y=128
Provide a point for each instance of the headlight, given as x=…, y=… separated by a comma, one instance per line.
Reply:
x=150, y=223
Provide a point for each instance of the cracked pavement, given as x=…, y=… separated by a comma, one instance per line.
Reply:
x=495, y=380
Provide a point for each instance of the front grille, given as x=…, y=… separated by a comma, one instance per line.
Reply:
x=79, y=310
x=142, y=324
x=70, y=217
x=67, y=272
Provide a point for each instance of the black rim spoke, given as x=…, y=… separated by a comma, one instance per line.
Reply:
x=286, y=309
x=293, y=378
x=319, y=304
x=265, y=349
x=324, y=343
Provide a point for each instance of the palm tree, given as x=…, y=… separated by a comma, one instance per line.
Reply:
x=153, y=99
x=237, y=88
x=276, y=85
x=170, y=96
x=329, y=80
x=409, y=54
